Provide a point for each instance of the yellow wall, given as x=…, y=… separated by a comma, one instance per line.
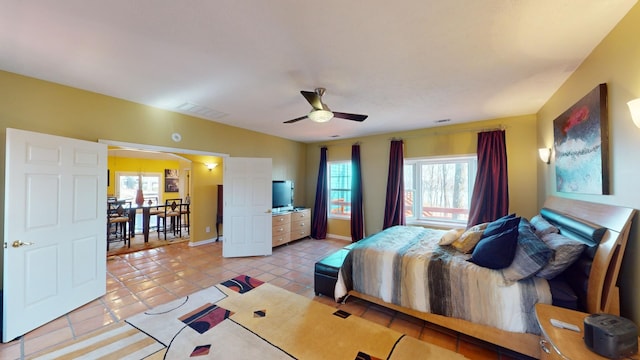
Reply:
x=616, y=62
x=446, y=140
x=136, y=165
x=40, y=106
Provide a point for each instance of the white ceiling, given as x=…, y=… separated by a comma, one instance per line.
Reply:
x=404, y=63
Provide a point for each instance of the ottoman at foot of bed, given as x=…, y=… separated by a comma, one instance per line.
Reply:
x=326, y=273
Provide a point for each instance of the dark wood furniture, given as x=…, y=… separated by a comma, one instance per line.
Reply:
x=170, y=218
x=219, y=212
x=118, y=213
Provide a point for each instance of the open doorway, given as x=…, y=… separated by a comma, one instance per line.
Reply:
x=191, y=179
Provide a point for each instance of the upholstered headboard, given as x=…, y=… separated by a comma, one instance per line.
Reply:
x=605, y=230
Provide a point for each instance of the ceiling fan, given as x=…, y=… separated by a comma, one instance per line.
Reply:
x=320, y=112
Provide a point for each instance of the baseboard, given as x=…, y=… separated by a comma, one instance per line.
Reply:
x=204, y=242
x=340, y=237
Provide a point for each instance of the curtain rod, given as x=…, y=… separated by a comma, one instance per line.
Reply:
x=457, y=131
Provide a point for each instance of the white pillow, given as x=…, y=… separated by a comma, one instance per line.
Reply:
x=450, y=236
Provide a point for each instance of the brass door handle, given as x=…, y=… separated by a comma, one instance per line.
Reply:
x=19, y=243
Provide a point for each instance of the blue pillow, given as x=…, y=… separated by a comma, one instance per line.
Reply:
x=496, y=251
x=501, y=225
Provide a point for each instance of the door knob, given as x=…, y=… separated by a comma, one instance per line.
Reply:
x=19, y=243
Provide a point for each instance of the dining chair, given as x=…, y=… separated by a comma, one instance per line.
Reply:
x=185, y=211
x=117, y=222
x=172, y=213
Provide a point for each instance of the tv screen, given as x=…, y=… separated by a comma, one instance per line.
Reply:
x=282, y=194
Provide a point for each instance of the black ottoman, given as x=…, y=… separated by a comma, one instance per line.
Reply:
x=326, y=273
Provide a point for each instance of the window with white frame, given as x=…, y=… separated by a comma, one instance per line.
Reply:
x=127, y=184
x=339, y=179
x=439, y=189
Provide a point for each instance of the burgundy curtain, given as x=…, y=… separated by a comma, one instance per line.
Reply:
x=490, y=199
x=394, y=207
x=319, y=218
x=357, y=215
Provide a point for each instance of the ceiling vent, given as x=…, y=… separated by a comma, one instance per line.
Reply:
x=198, y=110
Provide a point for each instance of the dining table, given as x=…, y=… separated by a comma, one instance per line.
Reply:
x=146, y=218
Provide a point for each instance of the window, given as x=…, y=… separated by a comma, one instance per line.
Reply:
x=438, y=190
x=127, y=185
x=339, y=173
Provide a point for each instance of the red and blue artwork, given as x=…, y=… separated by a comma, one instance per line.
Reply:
x=581, y=145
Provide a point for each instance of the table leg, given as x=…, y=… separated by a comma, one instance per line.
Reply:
x=146, y=218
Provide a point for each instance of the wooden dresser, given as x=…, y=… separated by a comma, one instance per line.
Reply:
x=290, y=226
x=300, y=224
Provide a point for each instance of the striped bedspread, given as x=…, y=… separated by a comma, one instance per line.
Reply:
x=404, y=265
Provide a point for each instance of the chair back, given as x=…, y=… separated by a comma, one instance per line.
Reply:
x=172, y=206
x=118, y=209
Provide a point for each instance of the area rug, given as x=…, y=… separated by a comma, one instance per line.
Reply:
x=138, y=244
x=244, y=318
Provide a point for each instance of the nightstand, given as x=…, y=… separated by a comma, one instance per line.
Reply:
x=559, y=343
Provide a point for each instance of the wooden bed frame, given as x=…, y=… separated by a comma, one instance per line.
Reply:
x=602, y=292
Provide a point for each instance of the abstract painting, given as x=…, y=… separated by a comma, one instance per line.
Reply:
x=581, y=145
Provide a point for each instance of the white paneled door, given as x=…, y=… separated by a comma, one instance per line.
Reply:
x=247, y=207
x=54, y=228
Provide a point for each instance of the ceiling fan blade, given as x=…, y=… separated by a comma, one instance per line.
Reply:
x=295, y=120
x=313, y=99
x=354, y=117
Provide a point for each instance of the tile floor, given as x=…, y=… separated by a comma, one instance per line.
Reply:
x=144, y=279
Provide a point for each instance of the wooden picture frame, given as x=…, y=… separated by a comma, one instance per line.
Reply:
x=581, y=145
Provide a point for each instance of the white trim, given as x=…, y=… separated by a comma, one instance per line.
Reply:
x=203, y=242
x=159, y=148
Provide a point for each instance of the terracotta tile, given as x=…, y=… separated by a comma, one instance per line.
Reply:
x=281, y=282
x=151, y=292
x=476, y=351
x=59, y=323
x=130, y=310
x=83, y=314
x=122, y=302
x=406, y=326
x=439, y=338
x=88, y=325
x=39, y=343
x=354, y=306
x=185, y=290
x=380, y=317
x=279, y=271
x=160, y=299
x=10, y=350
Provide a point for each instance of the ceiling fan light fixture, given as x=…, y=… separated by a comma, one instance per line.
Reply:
x=320, y=115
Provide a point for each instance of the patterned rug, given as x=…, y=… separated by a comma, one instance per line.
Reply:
x=244, y=318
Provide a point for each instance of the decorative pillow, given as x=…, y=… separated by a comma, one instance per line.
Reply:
x=496, y=251
x=566, y=252
x=532, y=254
x=450, y=236
x=469, y=238
x=501, y=225
x=542, y=227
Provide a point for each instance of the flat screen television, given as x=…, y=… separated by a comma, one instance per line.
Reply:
x=282, y=195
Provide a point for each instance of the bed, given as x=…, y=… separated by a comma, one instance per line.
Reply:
x=404, y=268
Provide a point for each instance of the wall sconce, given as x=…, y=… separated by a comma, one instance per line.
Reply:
x=545, y=155
x=634, y=109
x=210, y=166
